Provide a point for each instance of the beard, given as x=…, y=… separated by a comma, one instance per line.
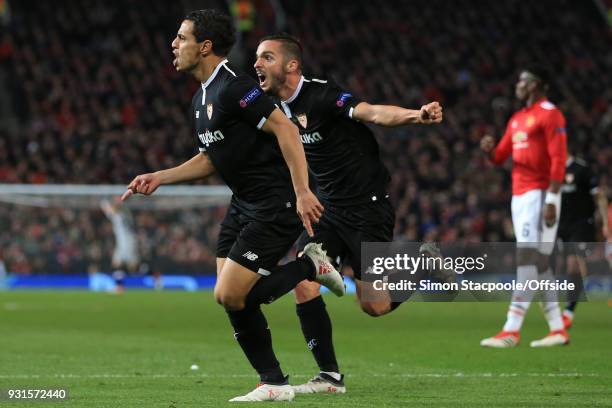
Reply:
x=276, y=82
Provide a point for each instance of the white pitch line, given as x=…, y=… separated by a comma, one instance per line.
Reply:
x=205, y=375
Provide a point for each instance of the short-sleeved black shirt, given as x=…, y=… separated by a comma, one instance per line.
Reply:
x=577, y=192
x=228, y=111
x=342, y=153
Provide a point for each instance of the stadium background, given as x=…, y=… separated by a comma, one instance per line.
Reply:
x=88, y=95
x=91, y=98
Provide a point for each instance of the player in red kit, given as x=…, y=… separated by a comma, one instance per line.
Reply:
x=535, y=137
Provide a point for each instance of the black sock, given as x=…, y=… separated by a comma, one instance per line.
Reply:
x=252, y=332
x=575, y=295
x=282, y=280
x=317, y=329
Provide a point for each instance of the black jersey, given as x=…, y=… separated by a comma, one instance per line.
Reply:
x=342, y=153
x=229, y=110
x=577, y=201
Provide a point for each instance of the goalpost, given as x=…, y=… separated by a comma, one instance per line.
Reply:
x=61, y=228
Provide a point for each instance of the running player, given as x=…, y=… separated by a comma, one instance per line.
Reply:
x=256, y=150
x=342, y=154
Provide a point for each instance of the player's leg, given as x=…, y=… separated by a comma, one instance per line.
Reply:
x=315, y=321
x=373, y=222
x=248, y=278
x=582, y=233
x=576, y=271
x=550, y=302
x=526, y=216
x=118, y=273
x=372, y=302
x=250, y=325
x=240, y=288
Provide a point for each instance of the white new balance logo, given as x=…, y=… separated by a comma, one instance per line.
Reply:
x=250, y=256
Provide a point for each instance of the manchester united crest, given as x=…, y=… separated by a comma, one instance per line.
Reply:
x=209, y=109
x=302, y=119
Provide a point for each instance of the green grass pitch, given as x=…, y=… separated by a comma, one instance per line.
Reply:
x=136, y=350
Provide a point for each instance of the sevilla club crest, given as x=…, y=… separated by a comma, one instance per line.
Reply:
x=209, y=109
x=302, y=119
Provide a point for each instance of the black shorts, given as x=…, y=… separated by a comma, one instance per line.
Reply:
x=577, y=231
x=255, y=244
x=575, y=236
x=341, y=230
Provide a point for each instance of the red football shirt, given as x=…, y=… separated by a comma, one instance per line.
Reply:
x=535, y=137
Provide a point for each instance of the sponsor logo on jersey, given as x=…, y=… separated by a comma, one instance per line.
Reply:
x=344, y=96
x=197, y=114
x=530, y=121
x=250, y=97
x=302, y=119
x=209, y=137
x=309, y=138
x=209, y=110
x=250, y=256
x=520, y=140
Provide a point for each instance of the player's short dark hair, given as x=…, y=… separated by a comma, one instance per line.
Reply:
x=291, y=46
x=541, y=73
x=213, y=25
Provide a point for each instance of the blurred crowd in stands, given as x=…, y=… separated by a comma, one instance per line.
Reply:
x=99, y=102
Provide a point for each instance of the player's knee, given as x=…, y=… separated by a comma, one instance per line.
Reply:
x=306, y=291
x=375, y=309
x=233, y=303
x=228, y=300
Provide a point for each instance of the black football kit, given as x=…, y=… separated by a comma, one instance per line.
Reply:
x=261, y=223
x=343, y=156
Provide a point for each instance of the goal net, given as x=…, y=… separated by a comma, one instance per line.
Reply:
x=68, y=229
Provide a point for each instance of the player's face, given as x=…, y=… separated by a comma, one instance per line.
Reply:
x=524, y=86
x=186, y=48
x=270, y=66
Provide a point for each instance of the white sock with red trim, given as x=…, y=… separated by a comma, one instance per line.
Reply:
x=521, y=299
x=550, y=305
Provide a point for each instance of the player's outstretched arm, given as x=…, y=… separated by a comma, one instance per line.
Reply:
x=308, y=206
x=391, y=116
x=199, y=166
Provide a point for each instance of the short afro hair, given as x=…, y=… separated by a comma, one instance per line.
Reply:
x=541, y=73
x=213, y=25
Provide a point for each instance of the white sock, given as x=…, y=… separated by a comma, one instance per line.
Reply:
x=515, y=316
x=521, y=299
x=550, y=306
x=553, y=315
x=335, y=376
